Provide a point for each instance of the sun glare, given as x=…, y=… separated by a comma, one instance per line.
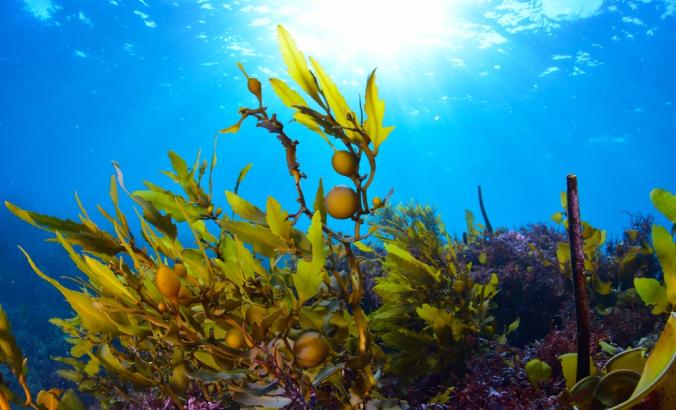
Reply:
x=383, y=28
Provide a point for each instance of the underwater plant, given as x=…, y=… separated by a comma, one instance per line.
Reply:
x=206, y=309
x=13, y=359
x=633, y=255
x=532, y=288
x=254, y=311
x=593, y=240
x=433, y=312
x=662, y=297
x=628, y=380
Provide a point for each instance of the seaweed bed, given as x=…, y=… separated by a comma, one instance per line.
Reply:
x=189, y=306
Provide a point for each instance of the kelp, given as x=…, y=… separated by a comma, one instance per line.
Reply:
x=226, y=309
x=662, y=297
x=628, y=380
x=432, y=310
x=593, y=240
x=198, y=299
x=13, y=359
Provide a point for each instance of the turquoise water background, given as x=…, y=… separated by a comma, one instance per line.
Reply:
x=512, y=95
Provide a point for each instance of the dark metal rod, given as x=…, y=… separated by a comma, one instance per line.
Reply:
x=579, y=283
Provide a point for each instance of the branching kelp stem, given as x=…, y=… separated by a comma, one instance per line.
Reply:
x=579, y=283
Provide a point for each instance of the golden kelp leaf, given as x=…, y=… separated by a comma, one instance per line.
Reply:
x=652, y=293
x=483, y=258
x=360, y=320
x=70, y=401
x=569, y=367
x=289, y=97
x=207, y=359
x=363, y=247
x=245, y=209
x=93, y=318
x=169, y=202
x=610, y=349
x=322, y=120
x=387, y=311
x=230, y=271
x=110, y=284
x=45, y=222
x=309, y=317
x=229, y=265
x=490, y=289
x=81, y=348
x=234, y=128
x=514, y=325
x=10, y=353
x=386, y=287
x=435, y=317
x=326, y=373
x=563, y=255
x=96, y=241
x=112, y=363
x=247, y=263
x=557, y=217
x=665, y=249
x=375, y=113
x=194, y=260
x=665, y=202
x=407, y=261
x=659, y=370
x=599, y=286
x=202, y=231
x=241, y=176
x=277, y=219
x=632, y=359
x=292, y=99
x=93, y=366
x=469, y=221
x=296, y=64
x=127, y=324
x=260, y=237
x=316, y=238
x=180, y=167
x=185, y=177
x=158, y=243
x=320, y=204
x=335, y=100
x=49, y=399
x=163, y=223
x=308, y=276
x=538, y=371
x=415, y=268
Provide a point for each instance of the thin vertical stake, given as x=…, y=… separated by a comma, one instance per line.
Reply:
x=579, y=282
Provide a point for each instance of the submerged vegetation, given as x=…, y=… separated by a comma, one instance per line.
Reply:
x=252, y=311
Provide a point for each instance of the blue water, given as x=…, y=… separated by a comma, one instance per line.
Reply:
x=510, y=95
